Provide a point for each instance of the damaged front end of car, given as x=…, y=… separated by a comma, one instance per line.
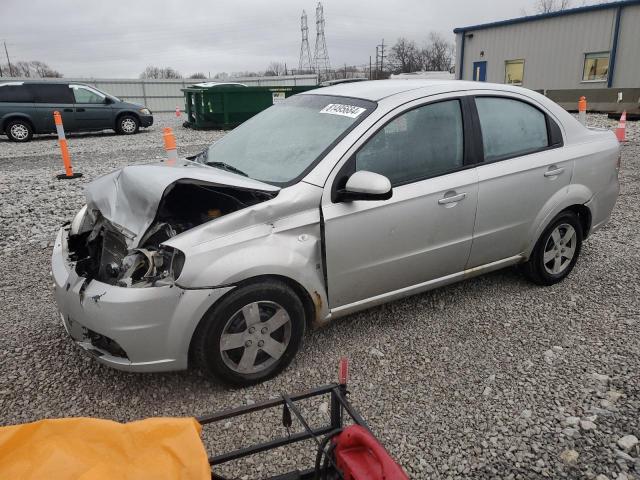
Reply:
x=126, y=250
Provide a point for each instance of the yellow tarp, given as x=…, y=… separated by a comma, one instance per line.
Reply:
x=93, y=449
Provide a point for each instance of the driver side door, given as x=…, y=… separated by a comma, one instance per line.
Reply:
x=375, y=249
x=91, y=110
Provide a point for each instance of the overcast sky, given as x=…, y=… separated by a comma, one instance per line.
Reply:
x=83, y=38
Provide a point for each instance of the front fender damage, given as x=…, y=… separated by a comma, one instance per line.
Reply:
x=279, y=238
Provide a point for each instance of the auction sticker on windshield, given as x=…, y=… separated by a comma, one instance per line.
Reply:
x=350, y=111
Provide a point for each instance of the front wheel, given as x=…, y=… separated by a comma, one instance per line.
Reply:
x=251, y=335
x=127, y=125
x=557, y=250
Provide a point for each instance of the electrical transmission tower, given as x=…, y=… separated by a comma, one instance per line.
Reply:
x=305, y=64
x=321, y=56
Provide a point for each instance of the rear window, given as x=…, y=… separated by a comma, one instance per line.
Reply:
x=510, y=128
x=15, y=93
x=52, y=93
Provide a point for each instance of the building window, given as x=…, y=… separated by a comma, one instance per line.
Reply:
x=513, y=72
x=596, y=67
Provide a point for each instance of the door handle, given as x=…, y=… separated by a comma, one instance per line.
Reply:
x=452, y=199
x=79, y=109
x=68, y=110
x=554, y=173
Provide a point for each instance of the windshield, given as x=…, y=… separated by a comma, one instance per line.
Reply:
x=284, y=141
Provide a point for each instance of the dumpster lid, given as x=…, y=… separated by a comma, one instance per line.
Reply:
x=218, y=84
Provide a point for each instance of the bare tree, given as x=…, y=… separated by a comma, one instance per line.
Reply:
x=548, y=6
x=30, y=69
x=199, y=75
x=404, y=56
x=221, y=76
x=438, y=54
x=160, y=73
x=275, y=69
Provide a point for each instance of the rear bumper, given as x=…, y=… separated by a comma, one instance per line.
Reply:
x=146, y=120
x=151, y=327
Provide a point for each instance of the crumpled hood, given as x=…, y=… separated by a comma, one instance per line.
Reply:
x=129, y=197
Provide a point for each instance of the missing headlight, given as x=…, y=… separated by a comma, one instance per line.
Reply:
x=142, y=267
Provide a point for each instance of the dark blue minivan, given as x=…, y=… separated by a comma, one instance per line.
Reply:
x=27, y=108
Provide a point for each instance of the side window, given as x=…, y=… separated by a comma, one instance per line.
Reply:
x=420, y=143
x=85, y=95
x=52, y=93
x=510, y=127
x=15, y=93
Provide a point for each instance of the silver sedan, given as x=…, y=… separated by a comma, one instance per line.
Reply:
x=328, y=203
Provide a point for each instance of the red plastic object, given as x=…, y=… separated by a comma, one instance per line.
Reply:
x=359, y=456
x=343, y=371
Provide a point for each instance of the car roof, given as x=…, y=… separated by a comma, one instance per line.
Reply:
x=46, y=82
x=378, y=89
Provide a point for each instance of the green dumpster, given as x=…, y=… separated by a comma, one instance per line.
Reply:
x=227, y=106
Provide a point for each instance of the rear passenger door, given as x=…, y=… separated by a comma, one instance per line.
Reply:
x=92, y=111
x=522, y=170
x=51, y=97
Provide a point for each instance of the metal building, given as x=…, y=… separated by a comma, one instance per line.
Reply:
x=562, y=53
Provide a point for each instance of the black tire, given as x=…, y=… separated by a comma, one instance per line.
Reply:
x=127, y=125
x=542, y=273
x=19, y=131
x=226, y=316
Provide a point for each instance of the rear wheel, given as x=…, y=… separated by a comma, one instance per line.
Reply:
x=252, y=335
x=127, y=125
x=19, y=131
x=557, y=250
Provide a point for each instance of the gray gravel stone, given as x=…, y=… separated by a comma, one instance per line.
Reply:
x=628, y=442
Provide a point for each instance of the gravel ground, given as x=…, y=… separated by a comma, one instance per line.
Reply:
x=489, y=378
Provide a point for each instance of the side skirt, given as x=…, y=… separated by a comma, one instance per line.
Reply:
x=423, y=287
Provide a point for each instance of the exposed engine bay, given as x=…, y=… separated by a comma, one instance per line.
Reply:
x=108, y=253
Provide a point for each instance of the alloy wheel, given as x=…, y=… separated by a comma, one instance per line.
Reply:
x=255, y=337
x=19, y=131
x=128, y=125
x=560, y=249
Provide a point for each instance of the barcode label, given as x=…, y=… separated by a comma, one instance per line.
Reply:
x=350, y=111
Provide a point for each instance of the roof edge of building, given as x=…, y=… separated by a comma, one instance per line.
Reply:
x=542, y=16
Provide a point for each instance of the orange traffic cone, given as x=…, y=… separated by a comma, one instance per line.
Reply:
x=177, y=111
x=170, y=146
x=582, y=110
x=66, y=159
x=621, y=131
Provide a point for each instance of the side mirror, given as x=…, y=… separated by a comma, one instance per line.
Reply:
x=108, y=100
x=364, y=185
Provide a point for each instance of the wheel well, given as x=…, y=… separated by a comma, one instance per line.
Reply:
x=121, y=114
x=584, y=215
x=6, y=121
x=300, y=291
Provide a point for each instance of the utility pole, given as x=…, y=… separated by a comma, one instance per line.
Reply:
x=321, y=56
x=8, y=61
x=306, y=64
x=370, y=67
x=382, y=55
